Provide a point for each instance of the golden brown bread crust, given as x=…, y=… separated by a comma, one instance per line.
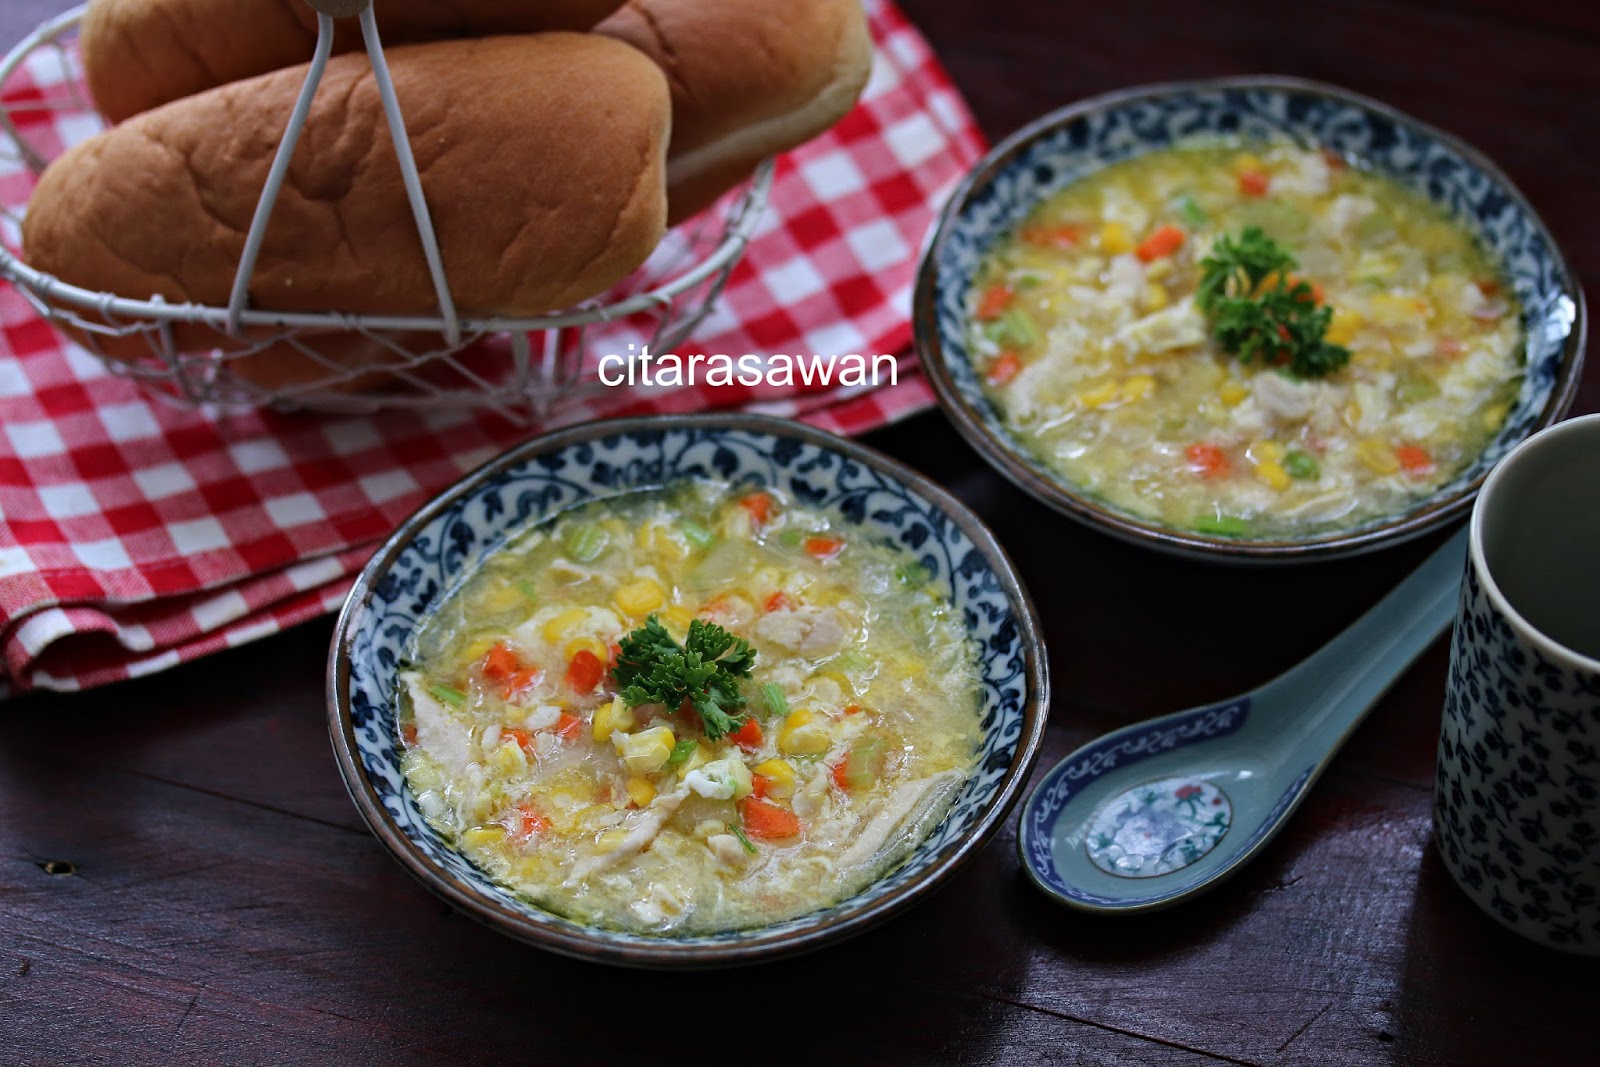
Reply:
x=541, y=159
x=749, y=78
x=139, y=54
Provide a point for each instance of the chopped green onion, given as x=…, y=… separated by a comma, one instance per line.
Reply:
x=1018, y=329
x=1410, y=390
x=697, y=535
x=525, y=587
x=852, y=660
x=743, y=840
x=773, y=700
x=1301, y=465
x=911, y=575
x=1192, y=212
x=1222, y=525
x=790, y=538
x=680, y=753
x=585, y=543
x=454, y=697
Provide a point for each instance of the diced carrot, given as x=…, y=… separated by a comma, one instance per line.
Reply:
x=1488, y=287
x=747, y=736
x=759, y=505
x=824, y=547
x=1206, y=460
x=568, y=726
x=530, y=822
x=1413, y=459
x=852, y=709
x=994, y=302
x=500, y=663
x=760, y=785
x=778, y=601
x=408, y=734
x=841, y=773
x=517, y=734
x=1449, y=348
x=1334, y=160
x=1253, y=183
x=1064, y=236
x=584, y=672
x=615, y=650
x=1006, y=366
x=766, y=820
x=1164, y=242
x=524, y=678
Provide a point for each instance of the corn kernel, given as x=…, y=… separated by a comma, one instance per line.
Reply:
x=1136, y=387
x=1342, y=328
x=779, y=775
x=502, y=598
x=640, y=597
x=1158, y=270
x=609, y=718
x=640, y=791
x=1494, y=415
x=610, y=841
x=483, y=836
x=1099, y=396
x=1246, y=161
x=679, y=616
x=564, y=623
x=478, y=649
x=1378, y=456
x=1273, y=474
x=645, y=752
x=591, y=645
x=698, y=758
x=1155, y=297
x=801, y=736
x=508, y=760
x=1115, y=240
x=1267, y=452
x=1233, y=393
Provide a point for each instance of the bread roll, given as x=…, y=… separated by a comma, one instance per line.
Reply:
x=139, y=54
x=749, y=78
x=541, y=159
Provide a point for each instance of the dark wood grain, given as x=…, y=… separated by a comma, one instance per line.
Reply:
x=182, y=877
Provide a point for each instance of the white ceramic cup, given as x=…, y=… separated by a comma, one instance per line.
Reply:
x=1517, y=789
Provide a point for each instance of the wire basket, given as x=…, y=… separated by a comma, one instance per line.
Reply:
x=525, y=368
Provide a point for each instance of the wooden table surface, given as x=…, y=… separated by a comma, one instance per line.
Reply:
x=182, y=877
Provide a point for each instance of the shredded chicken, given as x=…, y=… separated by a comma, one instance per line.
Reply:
x=640, y=834
x=911, y=798
x=811, y=631
x=439, y=733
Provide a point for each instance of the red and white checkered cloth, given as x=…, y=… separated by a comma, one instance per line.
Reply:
x=134, y=536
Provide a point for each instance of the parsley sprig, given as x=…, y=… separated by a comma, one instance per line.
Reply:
x=1259, y=310
x=652, y=668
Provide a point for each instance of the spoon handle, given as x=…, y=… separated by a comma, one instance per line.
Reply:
x=1341, y=682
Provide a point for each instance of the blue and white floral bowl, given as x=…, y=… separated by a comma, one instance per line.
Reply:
x=1067, y=145
x=434, y=551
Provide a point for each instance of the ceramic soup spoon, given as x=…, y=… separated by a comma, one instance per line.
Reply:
x=1161, y=810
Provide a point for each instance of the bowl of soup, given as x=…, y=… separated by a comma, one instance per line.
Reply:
x=686, y=691
x=1246, y=319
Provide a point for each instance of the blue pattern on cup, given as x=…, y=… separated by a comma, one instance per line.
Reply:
x=1517, y=789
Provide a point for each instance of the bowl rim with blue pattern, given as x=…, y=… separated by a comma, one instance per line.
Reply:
x=1065, y=145
x=432, y=551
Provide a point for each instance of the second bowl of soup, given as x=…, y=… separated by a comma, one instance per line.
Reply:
x=1246, y=319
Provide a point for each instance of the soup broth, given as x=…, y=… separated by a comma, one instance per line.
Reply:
x=859, y=721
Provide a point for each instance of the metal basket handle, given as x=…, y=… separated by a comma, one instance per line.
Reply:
x=327, y=11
